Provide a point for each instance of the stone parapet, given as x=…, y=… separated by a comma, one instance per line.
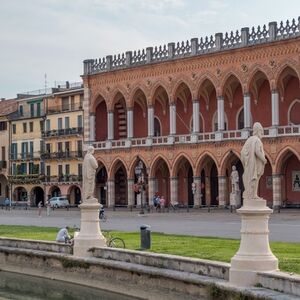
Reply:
x=195, y=47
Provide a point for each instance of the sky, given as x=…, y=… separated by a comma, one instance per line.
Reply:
x=53, y=37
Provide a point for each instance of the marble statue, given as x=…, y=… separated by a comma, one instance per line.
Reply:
x=253, y=160
x=90, y=166
x=234, y=180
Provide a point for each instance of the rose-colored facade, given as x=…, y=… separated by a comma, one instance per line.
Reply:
x=186, y=110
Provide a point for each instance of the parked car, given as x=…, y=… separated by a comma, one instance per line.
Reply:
x=59, y=202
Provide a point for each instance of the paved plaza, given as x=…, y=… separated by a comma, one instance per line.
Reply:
x=284, y=226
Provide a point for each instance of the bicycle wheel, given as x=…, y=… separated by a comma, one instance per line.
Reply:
x=103, y=218
x=116, y=243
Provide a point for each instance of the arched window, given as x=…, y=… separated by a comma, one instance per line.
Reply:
x=293, y=113
x=157, y=127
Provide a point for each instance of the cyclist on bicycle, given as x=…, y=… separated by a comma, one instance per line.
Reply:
x=101, y=212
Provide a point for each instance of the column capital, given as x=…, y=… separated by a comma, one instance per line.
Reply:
x=173, y=178
x=196, y=100
x=274, y=91
x=197, y=177
x=129, y=108
x=220, y=98
x=92, y=114
x=246, y=94
x=110, y=111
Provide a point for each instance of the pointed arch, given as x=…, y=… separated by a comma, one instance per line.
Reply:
x=133, y=163
x=295, y=118
x=178, y=86
x=157, y=87
x=202, y=158
x=206, y=87
x=253, y=74
x=156, y=159
x=178, y=160
x=227, y=157
x=117, y=162
x=286, y=69
x=229, y=86
x=138, y=90
x=283, y=155
x=97, y=100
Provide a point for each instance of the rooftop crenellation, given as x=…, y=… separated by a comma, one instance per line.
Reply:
x=194, y=47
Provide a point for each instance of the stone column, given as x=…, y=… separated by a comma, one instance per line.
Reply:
x=222, y=185
x=110, y=125
x=129, y=123
x=130, y=183
x=247, y=111
x=221, y=113
x=92, y=127
x=111, y=193
x=277, y=191
x=275, y=108
x=207, y=191
x=151, y=190
x=172, y=119
x=86, y=113
x=197, y=195
x=150, y=121
x=196, y=116
x=174, y=190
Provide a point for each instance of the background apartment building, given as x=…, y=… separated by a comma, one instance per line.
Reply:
x=6, y=108
x=63, y=143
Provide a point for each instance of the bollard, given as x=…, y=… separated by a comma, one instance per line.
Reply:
x=145, y=237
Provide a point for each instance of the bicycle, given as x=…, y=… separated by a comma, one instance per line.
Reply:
x=102, y=215
x=113, y=242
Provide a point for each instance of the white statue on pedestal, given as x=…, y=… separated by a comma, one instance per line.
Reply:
x=234, y=180
x=90, y=166
x=254, y=254
x=253, y=160
x=90, y=235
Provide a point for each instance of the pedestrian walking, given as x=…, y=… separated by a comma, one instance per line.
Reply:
x=40, y=205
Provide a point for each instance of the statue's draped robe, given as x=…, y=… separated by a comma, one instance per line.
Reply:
x=253, y=166
x=90, y=166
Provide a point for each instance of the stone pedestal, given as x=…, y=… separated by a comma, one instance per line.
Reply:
x=90, y=234
x=254, y=254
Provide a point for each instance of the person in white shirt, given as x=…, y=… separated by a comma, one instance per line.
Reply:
x=63, y=236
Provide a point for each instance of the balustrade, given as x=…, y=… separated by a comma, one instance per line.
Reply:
x=201, y=138
x=219, y=42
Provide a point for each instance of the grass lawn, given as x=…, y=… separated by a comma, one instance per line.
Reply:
x=199, y=247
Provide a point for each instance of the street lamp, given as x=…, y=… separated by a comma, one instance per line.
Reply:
x=141, y=182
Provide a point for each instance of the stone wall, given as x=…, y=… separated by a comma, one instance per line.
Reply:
x=136, y=273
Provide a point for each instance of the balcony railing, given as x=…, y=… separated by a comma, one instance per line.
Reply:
x=63, y=178
x=61, y=108
x=62, y=155
x=218, y=136
x=62, y=132
x=3, y=164
x=25, y=178
x=25, y=156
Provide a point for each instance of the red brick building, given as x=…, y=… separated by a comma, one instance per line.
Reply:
x=185, y=109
